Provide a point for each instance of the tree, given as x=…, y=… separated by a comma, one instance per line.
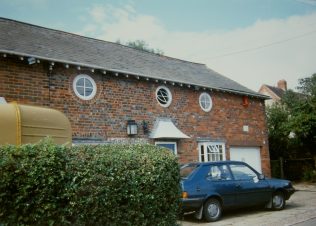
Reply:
x=141, y=45
x=307, y=86
x=292, y=122
x=278, y=134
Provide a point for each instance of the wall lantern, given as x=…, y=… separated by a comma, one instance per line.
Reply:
x=31, y=60
x=131, y=127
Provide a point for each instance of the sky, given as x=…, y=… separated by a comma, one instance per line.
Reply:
x=253, y=42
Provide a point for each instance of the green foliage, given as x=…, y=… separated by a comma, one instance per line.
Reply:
x=45, y=184
x=309, y=175
x=141, y=45
x=278, y=133
x=307, y=86
x=32, y=179
x=292, y=122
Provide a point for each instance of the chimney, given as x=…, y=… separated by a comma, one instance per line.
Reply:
x=282, y=84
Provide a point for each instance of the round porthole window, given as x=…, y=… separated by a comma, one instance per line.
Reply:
x=163, y=96
x=205, y=101
x=84, y=87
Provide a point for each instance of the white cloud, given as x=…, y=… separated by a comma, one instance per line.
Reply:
x=268, y=50
x=98, y=14
x=110, y=23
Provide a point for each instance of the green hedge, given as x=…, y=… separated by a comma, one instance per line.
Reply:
x=45, y=184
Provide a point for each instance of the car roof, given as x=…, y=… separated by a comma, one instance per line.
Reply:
x=215, y=162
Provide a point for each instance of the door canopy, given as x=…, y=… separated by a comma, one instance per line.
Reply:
x=164, y=128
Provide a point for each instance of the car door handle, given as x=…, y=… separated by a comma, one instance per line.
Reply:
x=237, y=185
x=198, y=188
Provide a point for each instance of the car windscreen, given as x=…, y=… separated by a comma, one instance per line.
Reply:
x=187, y=170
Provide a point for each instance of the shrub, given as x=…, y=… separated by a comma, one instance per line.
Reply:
x=45, y=184
x=309, y=175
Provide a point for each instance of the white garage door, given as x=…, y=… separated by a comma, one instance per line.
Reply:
x=250, y=155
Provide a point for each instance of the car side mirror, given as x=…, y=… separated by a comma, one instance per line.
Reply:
x=261, y=177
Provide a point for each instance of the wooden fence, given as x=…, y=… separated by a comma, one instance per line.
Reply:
x=292, y=169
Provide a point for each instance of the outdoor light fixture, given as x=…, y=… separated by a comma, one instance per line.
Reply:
x=31, y=60
x=131, y=127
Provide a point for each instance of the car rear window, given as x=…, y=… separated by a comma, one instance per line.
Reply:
x=187, y=170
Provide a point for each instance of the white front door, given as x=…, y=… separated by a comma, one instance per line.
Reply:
x=250, y=155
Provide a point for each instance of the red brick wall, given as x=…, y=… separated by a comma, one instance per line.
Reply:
x=119, y=99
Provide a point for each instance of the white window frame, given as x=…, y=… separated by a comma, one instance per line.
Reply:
x=204, y=94
x=168, y=142
x=169, y=96
x=74, y=86
x=212, y=155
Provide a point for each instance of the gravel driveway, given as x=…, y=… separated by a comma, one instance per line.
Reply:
x=299, y=209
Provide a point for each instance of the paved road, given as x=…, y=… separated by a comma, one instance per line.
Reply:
x=310, y=222
x=300, y=210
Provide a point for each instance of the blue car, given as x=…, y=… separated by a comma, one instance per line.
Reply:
x=208, y=188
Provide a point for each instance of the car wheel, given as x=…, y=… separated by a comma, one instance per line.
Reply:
x=278, y=201
x=212, y=210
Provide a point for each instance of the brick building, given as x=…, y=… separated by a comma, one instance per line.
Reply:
x=274, y=92
x=113, y=93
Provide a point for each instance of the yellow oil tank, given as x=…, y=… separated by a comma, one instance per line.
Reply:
x=22, y=124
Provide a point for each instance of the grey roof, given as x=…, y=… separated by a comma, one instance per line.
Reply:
x=47, y=44
x=277, y=91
